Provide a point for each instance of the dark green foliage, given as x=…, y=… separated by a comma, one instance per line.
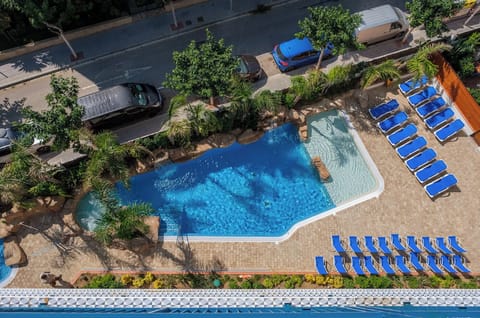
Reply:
x=475, y=93
x=431, y=13
x=203, y=69
x=462, y=56
x=294, y=281
x=348, y=283
x=61, y=120
x=104, y=281
x=159, y=140
x=232, y=284
x=330, y=24
x=246, y=284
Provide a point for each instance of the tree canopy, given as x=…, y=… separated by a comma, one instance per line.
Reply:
x=61, y=120
x=431, y=14
x=203, y=69
x=330, y=24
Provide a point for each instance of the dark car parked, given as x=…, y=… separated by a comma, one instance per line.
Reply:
x=7, y=136
x=249, y=68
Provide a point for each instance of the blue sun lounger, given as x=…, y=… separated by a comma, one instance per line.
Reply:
x=442, y=246
x=458, y=263
x=400, y=263
x=368, y=261
x=392, y=122
x=412, y=244
x=431, y=107
x=339, y=264
x=384, y=260
x=432, y=263
x=357, y=265
x=411, y=147
x=431, y=171
x=370, y=244
x=422, y=96
x=439, y=119
x=383, y=245
x=416, y=262
x=440, y=185
x=396, y=242
x=453, y=242
x=320, y=265
x=402, y=135
x=354, y=245
x=421, y=159
x=427, y=245
x=445, y=262
x=412, y=85
x=337, y=244
x=383, y=109
x=450, y=130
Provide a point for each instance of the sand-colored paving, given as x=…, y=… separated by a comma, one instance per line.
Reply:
x=402, y=208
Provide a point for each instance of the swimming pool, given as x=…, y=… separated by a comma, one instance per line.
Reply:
x=6, y=272
x=262, y=189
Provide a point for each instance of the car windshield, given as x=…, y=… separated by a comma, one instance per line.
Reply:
x=280, y=54
x=138, y=91
x=242, y=67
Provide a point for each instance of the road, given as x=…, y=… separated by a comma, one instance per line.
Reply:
x=149, y=63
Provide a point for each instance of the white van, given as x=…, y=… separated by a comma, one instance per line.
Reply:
x=381, y=23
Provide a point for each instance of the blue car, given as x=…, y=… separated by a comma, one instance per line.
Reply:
x=296, y=53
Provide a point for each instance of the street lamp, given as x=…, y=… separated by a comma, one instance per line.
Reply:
x=55, y=29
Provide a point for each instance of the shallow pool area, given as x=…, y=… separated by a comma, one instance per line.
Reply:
x=262, y=190
x=6, y=272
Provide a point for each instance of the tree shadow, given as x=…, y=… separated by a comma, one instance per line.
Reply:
x=10, y=111
x=34, y=62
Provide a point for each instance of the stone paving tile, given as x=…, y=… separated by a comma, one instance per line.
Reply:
x=402, y=208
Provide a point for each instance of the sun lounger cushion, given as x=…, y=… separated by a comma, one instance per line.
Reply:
x=393, y=121
x=440, y=185
x=402, y=135
x=458, y=263
x=400, y=262
x=396, y=242
x=383, y=245
x=421, y=159
x=448, y=131
x=439, y=119
x=357, y=265
x=370, y=244
x=320, y=265
x=445, y=262
x=383, y=109
x=422, y=96
x=433, y=264
x=337, y=244
x=442, y=246
x=416, y=262
x=431, y=107
x=386, y=265
x=431, y=171
x=412, y=84
x=339, y=265
x=369, y=265
x=453, y=242
x=427, y=245
x=411, y=147
x=412, y=244
x=354, y=245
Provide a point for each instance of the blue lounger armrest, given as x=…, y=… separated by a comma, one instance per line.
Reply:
x=422, y=96
x=412, y=244
x=392, y=122
x=416, y=262
x=320, y=265
x=458, y=263
x=448, y=131
x=369, y=265
x=439, y=119
x=357, y=265
x=453, y=242
x=400, y=262
x=440, y=185
x=411, y=147
x=383, y=109
x=402, y=135
x=421, y=159
x=412, y=85
x=431, y=171
x=431, y=107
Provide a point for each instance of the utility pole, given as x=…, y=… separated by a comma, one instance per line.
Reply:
x=55, y=29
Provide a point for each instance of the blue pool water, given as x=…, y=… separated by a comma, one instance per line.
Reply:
x=5, y=270
x=260, y=189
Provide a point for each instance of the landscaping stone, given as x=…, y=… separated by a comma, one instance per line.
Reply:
x=249, y=136
x=221, y=140
x=13, y=253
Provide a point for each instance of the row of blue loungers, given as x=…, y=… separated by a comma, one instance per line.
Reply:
x=442, y=255
x=413, y=149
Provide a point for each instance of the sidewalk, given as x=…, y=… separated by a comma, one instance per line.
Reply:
x=199, y=14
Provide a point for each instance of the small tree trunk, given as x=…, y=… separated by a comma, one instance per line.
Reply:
x=317, y=67
x=212, y=100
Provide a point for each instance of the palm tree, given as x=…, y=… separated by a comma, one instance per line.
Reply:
x=385, y=71
x=107, y=158
x=420, y=64
x=179, y=132
x=202, y=120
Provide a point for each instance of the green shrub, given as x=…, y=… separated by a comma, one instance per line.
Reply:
x=257, y=285
x=268, y=283
x=413, y=282
x=348, y=283
x=104, y=281
x=475, y=92
x=232, y=284
x=470, y=284
x=156, y=141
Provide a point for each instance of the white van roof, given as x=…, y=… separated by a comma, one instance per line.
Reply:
x=378, y=16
